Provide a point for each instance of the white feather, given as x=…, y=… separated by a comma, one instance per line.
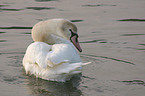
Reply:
x=58, y=62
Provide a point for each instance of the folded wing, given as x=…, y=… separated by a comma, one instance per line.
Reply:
x=49, y=56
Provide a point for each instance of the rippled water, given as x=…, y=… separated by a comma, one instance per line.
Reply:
x=112, y=36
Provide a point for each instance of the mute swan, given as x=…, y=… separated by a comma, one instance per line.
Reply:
x=53, y=56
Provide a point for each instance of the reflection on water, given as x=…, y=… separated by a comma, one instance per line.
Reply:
x=42, y=87
x=34, y=8
x=76, y=20
x=89, y=5
x=16, y=27
x=26, y=33
x=6, y=9
x=40, y=8
x=2, y=32
x=135, y=20
x=45, y=0
x=3, y=5
x=132, y=82
x=3, y=40
x=135, y=48
x=94, y=41
x=132, y=34
x=10, y=79
x=142, y=44
x=110, y=58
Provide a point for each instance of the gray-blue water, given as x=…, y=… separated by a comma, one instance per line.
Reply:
x=112, y=36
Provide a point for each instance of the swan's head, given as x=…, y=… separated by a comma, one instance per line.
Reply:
x=43, y=31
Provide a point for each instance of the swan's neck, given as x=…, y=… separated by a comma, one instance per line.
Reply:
x=54, y=39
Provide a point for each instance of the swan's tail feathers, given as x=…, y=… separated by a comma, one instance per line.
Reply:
x=67, y=68
x=83, y=64
x=61, y=72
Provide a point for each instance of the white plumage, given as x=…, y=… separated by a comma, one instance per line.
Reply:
x=53, y=56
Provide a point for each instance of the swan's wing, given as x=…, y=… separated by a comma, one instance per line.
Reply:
x=39, y=53
x=36, y=54
x=62, y=53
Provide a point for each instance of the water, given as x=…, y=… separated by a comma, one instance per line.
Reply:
x=112, y=37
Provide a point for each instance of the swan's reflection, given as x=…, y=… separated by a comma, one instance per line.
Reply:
x=43, y=87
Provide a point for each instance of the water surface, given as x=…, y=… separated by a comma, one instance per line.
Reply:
x=111, y=34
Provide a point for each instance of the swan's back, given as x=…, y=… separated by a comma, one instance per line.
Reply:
x=58, y=62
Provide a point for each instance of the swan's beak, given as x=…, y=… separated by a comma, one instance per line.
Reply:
x=75, y=41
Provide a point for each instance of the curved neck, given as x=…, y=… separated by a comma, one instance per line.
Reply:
x=54, y=39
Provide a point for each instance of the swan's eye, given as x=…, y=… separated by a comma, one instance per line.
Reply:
x=70, y=30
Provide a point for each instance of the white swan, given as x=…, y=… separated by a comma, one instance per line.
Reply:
x=53, y=56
